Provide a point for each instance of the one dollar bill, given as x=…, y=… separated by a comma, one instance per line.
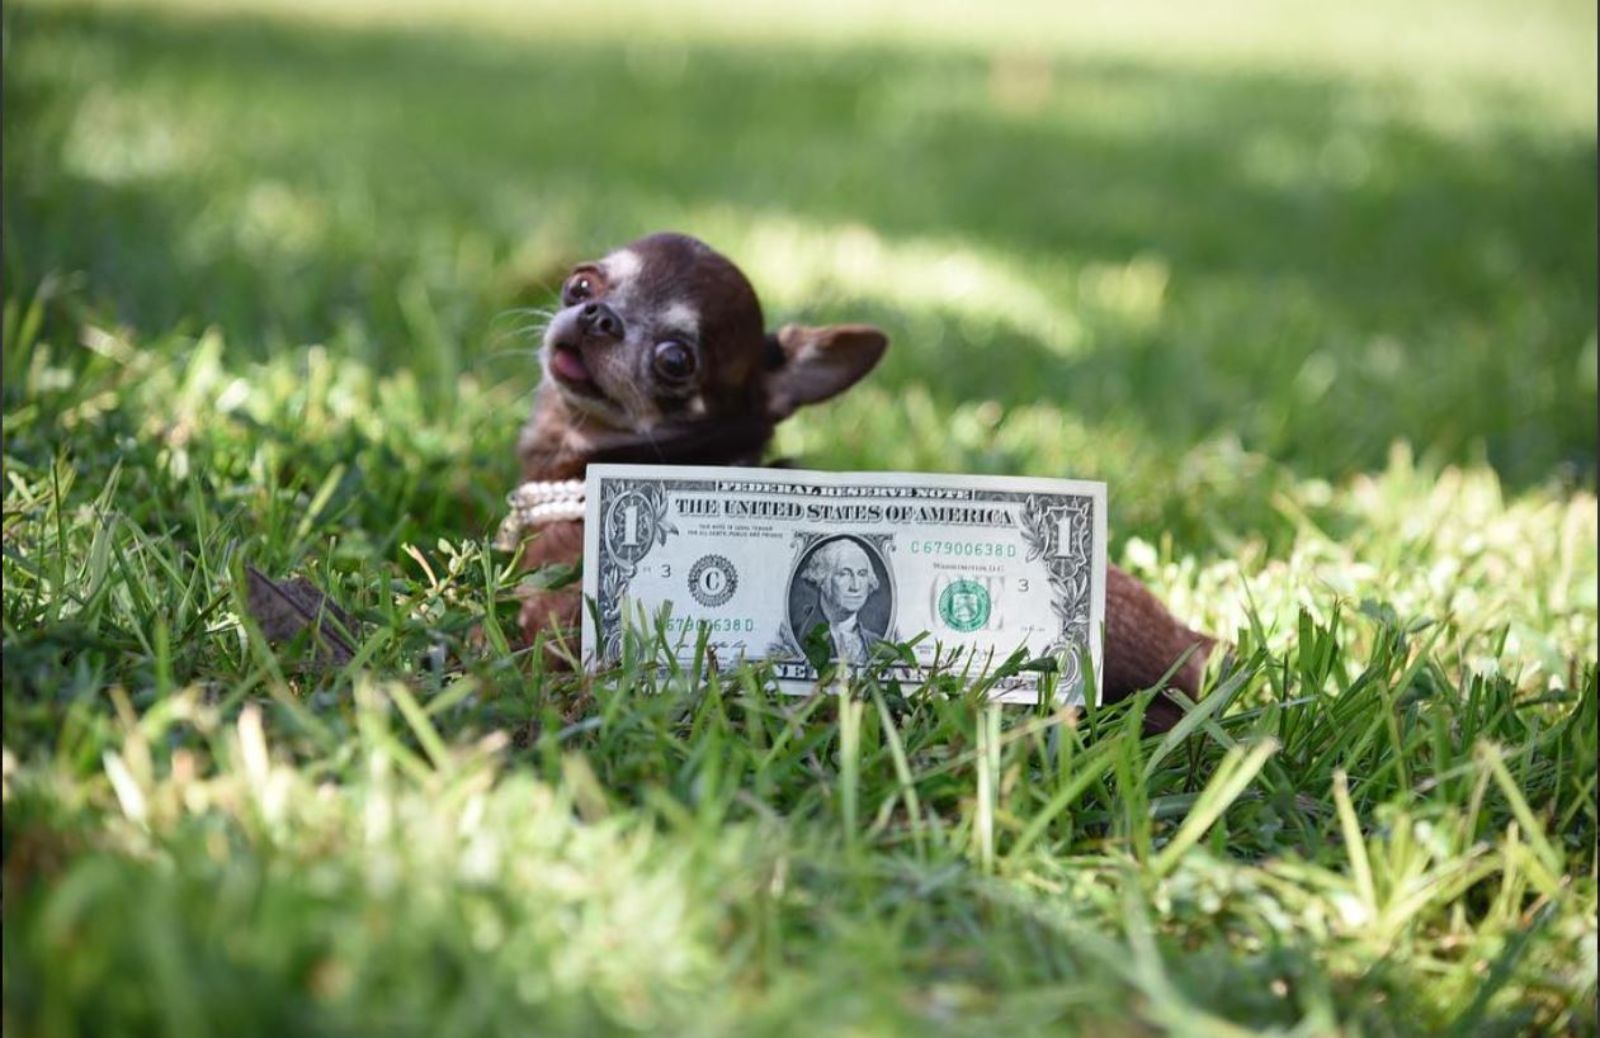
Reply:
x=836, y=569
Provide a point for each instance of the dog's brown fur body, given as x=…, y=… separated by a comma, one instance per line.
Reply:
x=616, y=391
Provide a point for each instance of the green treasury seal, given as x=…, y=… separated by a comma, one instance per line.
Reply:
x=964, y=606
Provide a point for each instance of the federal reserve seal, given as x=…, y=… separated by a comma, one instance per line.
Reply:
x=713, y=580
x=964, y=605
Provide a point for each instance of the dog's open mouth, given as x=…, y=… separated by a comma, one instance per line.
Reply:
x=567, y=365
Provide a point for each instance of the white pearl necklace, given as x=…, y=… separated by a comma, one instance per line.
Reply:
x=539, y=503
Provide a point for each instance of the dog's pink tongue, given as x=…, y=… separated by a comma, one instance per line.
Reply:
x=566, y=363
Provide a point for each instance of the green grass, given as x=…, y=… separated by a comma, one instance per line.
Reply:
x=1316, y=299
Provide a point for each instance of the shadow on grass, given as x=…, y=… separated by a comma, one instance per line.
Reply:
x=1300, y=262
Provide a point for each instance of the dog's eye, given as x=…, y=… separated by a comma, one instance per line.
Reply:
x=578, y=289
x=674, y=360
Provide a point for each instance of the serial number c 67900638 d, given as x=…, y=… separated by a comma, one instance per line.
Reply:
x=965, y=549
x=716, y=625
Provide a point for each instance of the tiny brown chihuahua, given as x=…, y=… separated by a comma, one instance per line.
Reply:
x=659, y=355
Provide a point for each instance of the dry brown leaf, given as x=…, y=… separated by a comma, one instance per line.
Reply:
x=284, y=610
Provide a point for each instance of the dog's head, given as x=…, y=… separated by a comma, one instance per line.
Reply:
x=665, y=337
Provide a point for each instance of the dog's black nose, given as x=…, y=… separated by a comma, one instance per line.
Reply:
x=599, y=320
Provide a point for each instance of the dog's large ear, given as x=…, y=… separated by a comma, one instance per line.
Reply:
x=806, y=365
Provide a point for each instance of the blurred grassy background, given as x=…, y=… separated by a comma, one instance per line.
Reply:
x=1303, y=232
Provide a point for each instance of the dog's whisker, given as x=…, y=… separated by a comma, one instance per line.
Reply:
x=521, y=333
x=522, y=320
x=521, y=351
x=494, y=356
